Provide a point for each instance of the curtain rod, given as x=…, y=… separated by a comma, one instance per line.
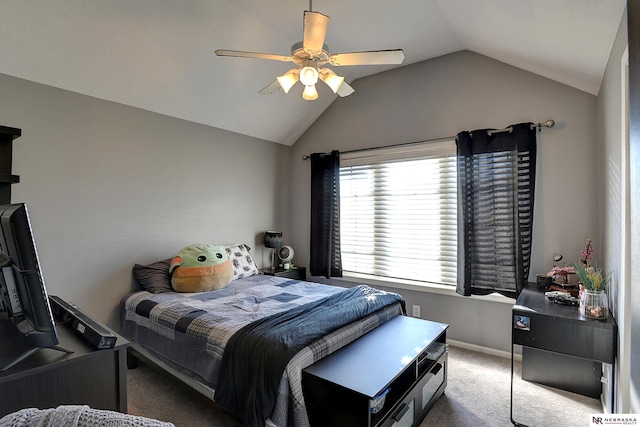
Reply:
x=547, y=124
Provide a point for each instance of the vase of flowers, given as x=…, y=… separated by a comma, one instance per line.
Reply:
x=593, y=283
x=594, y=304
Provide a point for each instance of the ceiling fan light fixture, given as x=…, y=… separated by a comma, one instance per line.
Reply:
x=310, y=93
x=309, y=76
x=311, y=53
x=332, y=80
x=287, y=80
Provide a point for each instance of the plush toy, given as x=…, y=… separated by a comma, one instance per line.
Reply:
x=200, y=267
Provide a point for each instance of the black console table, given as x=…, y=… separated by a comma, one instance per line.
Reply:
x=559, y=344
x=49, y=378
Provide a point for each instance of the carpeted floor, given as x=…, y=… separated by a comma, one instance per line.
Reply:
x=477, y=394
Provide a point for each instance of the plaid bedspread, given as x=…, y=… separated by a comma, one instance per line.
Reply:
x=191, y=330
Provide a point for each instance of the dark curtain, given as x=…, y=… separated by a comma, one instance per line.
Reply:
x=496, y=183
x=325, y=257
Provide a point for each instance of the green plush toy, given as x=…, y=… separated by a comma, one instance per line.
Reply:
x=200, y=267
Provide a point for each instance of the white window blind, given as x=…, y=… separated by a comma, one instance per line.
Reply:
x=398, y=212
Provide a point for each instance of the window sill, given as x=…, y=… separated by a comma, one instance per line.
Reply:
x=419, y=287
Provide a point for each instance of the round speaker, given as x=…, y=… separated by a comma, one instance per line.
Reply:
x=285, y=253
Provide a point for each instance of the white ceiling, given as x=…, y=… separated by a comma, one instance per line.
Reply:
x=159, y=54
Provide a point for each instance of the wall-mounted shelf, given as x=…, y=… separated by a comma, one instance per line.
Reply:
x=7, y=135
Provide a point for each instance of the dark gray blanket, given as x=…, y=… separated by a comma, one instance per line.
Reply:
x=255, y=357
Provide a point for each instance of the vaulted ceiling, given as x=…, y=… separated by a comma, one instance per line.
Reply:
x=158, y=55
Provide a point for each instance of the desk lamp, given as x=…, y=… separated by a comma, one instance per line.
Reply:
x=273, y=240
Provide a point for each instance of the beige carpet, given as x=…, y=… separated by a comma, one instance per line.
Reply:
x=477, y=394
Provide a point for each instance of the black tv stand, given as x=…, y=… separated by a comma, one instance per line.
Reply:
x=30, y=352
x=47, y=379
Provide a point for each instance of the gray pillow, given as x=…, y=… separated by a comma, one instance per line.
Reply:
x=154, y=278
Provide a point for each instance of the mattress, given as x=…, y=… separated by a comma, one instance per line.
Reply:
x=190, y=331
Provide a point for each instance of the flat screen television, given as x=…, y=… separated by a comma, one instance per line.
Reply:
x=22, y=291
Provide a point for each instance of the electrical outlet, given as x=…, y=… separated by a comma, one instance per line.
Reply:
x=416, y=311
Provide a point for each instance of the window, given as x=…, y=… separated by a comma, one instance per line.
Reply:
x=398, y=212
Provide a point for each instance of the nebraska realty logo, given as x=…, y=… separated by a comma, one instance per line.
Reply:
x=614, y=420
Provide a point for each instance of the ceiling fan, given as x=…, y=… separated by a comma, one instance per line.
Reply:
x=311, y=54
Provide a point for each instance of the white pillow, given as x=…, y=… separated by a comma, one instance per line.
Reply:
x=243, y=263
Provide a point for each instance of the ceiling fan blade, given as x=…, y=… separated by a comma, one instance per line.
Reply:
x=345, y=90
x=241, y=54
x=315, y=30
x=374, y=57
x=270, y=88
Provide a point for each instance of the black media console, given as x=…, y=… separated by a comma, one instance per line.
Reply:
x=50, y=378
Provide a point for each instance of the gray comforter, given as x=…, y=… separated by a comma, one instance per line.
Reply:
x=255, y=357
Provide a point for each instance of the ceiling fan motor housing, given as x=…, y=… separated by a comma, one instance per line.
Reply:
x=300, y=56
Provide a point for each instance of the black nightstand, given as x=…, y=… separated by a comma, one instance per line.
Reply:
x=295, y=272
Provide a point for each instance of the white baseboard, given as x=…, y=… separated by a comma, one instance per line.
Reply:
x=485, y=350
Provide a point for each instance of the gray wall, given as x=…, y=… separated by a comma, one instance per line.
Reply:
x=439, y=98
x=613, y=154
x=108, y=186
x=633, y=26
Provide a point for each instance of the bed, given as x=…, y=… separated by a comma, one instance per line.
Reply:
x=216, y=341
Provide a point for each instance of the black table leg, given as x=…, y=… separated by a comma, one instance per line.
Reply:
x=515, y=423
